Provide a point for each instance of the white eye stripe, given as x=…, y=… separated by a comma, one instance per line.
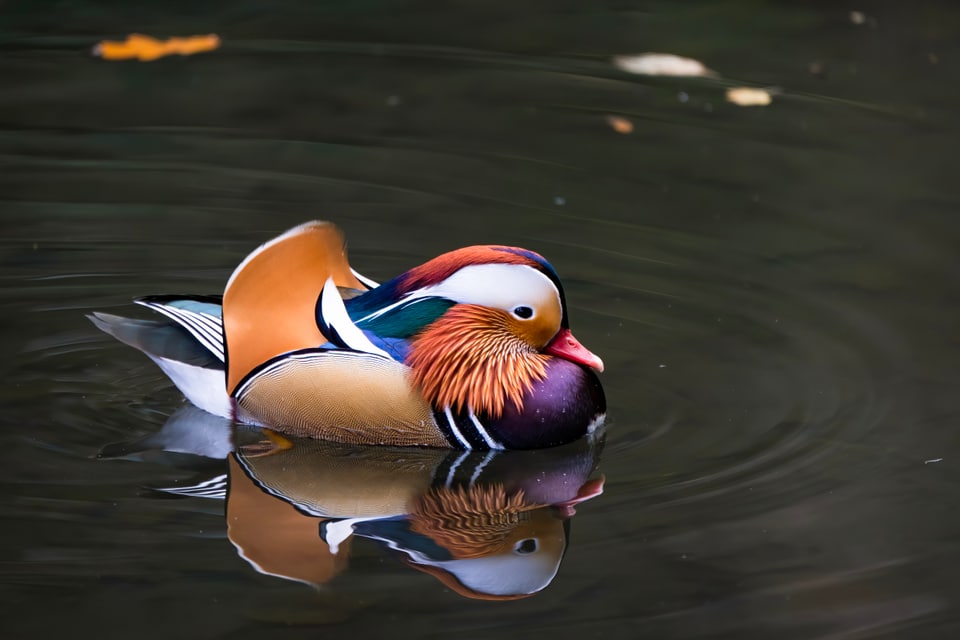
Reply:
x=501, y=286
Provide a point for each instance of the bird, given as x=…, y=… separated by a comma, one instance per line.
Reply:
x=469, y=350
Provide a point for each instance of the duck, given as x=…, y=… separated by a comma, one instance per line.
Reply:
x=469, y=350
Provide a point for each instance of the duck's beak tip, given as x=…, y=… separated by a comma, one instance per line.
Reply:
x=565, y=345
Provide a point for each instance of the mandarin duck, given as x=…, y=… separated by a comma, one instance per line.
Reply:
x=471, y=350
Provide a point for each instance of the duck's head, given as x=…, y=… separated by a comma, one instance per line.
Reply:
x=488, y=320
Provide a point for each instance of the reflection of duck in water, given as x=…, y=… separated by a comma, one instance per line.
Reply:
x=471, y=350
x=489, y=525
x=483, y=543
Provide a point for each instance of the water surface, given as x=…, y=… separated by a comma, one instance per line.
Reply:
x=773, y=290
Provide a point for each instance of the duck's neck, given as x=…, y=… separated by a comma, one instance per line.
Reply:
x=468, y=360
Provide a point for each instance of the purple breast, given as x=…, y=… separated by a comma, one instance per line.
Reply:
x=557, y=410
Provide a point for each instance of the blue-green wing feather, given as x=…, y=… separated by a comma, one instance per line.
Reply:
x=399, y=320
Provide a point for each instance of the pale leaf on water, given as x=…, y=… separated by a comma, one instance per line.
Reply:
x=662, y=64
x=749, y=96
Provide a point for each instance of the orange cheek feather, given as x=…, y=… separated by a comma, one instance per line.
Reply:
x=472, y=358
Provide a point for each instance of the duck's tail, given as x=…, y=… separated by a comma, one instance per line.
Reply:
x=193, y=368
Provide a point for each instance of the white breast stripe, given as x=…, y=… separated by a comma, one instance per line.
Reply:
x=493, y=444
x=453, y=429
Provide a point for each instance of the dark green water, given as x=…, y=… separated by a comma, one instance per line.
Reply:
x=774, y=291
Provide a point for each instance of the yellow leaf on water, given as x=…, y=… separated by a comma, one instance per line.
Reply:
x=661, y=64
x=749, y=96
x=145, y=48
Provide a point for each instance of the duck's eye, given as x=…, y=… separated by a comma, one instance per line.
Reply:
x=524, y=547
x=523, y=312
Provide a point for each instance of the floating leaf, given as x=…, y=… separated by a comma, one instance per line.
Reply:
x=661, y=64
x=144, y=48
x=859, y=18
x=749, y=96
x=620, y=124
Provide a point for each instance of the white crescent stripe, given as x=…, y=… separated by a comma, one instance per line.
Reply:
x=364, y=279
x=334, y=313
